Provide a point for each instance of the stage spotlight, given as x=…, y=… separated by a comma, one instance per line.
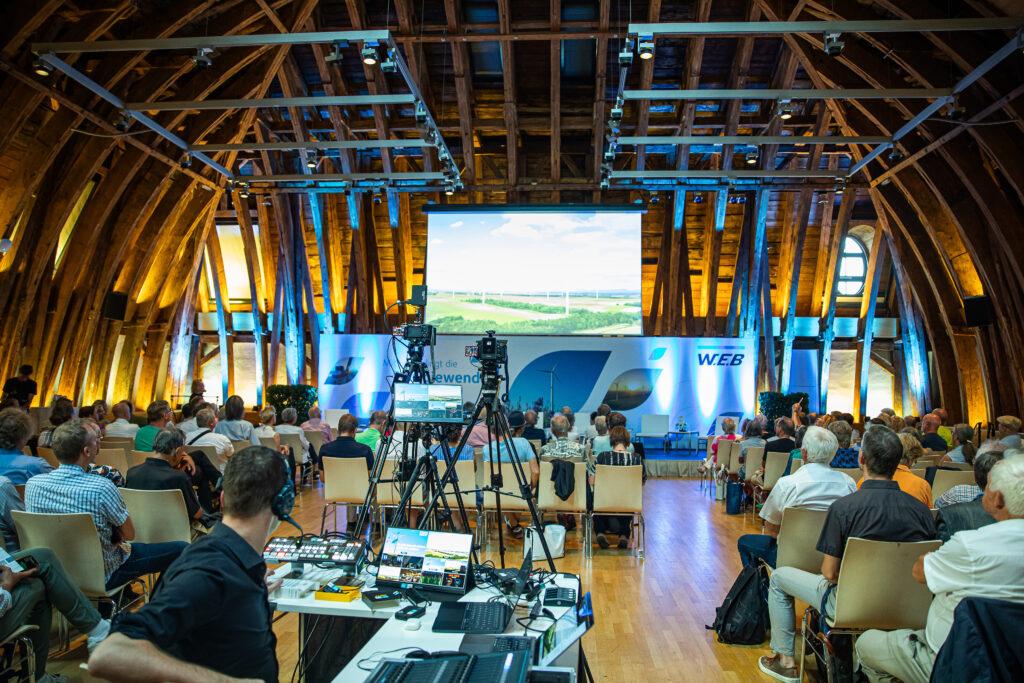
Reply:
x=750, y=157
x=626, y=54
x=605, y=184
x=421, y=113
x=785, y=110
x=894, y=156
x=646, y=47
x=41, y=68
x=449, y=190
x=186, y=160
x=369, y=55
x=389, y=66
x=833, y=44
x=311, y=159
x=616, y=112
x=335, y=55
x=202, y=57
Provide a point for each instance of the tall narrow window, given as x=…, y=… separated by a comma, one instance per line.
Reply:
x=853, y=267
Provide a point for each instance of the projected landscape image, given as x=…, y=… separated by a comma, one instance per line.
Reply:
x=534, y=272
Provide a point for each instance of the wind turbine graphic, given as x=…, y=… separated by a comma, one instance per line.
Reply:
x=552, y=376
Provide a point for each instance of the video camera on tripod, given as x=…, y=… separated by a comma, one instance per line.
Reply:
x=492, y=354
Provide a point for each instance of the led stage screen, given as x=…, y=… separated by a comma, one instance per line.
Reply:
x=540, y=271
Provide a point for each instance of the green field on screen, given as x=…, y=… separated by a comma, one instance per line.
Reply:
x=554, y=313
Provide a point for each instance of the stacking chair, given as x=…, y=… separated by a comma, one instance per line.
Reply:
x=271, y=443
x=962, y=466
x=465, y=470
x=774, y=466
x=75, y=541
x=48, y=455
x=239, y=445
x=729, y=458
x=707, y=476
x=854, y=473
x=947, y=479
x=548, y=500
x=137, y=457
x=620, y=491
x=209, y=451
x=346, y=480
x=113, y=457
x=315, y=438
x=876, y=590
x=537, y=445
x=19, y=655
x=798, y=539
x=302, y=459
x=122, y=442
x=797, y=464
x=158, y=516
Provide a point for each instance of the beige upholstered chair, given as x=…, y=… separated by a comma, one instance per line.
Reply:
x=48, y=455
x=137, y=457
x=346, y=481
x=158, y=516
x=576, y=504
x=798, y=539
x=620, y=491
x=854, y=473
x=113, y=457
x=947, y=479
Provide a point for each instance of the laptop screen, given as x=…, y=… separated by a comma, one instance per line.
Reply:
x=436, y=560
x=428, y=403
x=566, y=631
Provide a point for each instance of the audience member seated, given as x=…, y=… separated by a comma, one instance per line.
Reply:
x=198, y=390
x=211, y=618
x=814, y=486
x=879, y=511
x=796, y=453
x=29, y=598
x=188, y=416
x=963, y=450
x=206, y=435
x=930, y=438
x=908, y=481
x=289, y=416
x=784, y=440
x=498, y=451
x=346, y=446
x=315, y=424
x=573, y=435
x=122, y=427
x=62, y=411
x=452, y=435
x=964, y=493
x=970, y=514
x=728, y=434
x=943, y=430
x=752, y=438
x=158, y=416
x=268, y=418
x=1007, y=430
x=10, y=500
x=846, y=457
x=21, y=387
x=560, y=446
x=234, y=425
x=618, y=456
x=601, y=442
x=532, y=432
x=591, y=431
x=982, y=563
x=158, y=472
x=113, y=474
x=372, y=434
x=70, y=489
x=15, y=431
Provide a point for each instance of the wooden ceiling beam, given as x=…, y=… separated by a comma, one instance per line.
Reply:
x=510, y=106
x=555, y=97
x=646, y=78
x=463, y=91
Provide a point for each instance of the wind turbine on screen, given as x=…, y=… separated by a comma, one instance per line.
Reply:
x=552, y=376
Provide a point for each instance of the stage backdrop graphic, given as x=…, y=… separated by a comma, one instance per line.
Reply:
x=697, y=379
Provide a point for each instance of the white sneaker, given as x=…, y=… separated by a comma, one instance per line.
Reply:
x=98, y=634
x=53, y=678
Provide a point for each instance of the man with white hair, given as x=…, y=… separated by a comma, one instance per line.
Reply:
x=289, y=416
x=983, y=563
x=316, y=424
x=814, y=486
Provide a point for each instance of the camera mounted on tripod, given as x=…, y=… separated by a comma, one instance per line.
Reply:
x=492, y=354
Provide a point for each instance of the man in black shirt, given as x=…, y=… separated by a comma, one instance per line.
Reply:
x=346, y=446
x=532, y=432
x=785, y=437
x=879, y=511
x=210, y=617
x=931, y=440
x=158, y=474
x=21, y=388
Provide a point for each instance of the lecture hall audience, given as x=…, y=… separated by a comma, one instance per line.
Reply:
x=158, y=416
x=158, y=472
x=907, y=481
x=532, y=432
x=71, y=489
x=877, y=511
x=316, y=424
x=122, y=427
x=987, y=562
x=206, y=434
x=846, y=456
x=561, y=445
x=289, y=416
x=234, y=425
x=265, y=430
x=932, y=440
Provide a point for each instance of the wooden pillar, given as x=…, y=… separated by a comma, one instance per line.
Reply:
x=866, y=322
x=827, y=324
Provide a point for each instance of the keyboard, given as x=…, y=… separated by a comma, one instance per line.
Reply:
x=485, y=617
x=512, y=643
x=507, y=667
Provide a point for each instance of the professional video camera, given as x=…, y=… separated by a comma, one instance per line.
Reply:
x=420, y=334
x=492, y=354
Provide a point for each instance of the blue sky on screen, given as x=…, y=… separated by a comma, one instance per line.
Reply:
x=534, y=252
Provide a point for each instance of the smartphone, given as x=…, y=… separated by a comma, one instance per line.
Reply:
x=28, y=562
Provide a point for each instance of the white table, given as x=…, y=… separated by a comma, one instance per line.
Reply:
x=394, y=635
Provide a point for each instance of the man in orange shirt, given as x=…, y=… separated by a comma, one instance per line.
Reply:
x=908, y=481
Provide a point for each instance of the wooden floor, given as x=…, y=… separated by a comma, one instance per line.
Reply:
x=649, y=615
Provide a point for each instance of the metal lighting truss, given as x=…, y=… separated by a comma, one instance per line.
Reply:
x=411, y=182
x=646, y=34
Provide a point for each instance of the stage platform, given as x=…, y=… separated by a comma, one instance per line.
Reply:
x=672, y=463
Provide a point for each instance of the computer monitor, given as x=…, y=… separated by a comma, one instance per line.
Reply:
x=434, y=560
x=565, y=631
x=428, y=403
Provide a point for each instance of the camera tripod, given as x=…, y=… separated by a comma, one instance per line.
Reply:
x=499, y=436
x=412, y=468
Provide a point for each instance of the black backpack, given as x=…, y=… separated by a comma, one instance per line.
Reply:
x=743, y=617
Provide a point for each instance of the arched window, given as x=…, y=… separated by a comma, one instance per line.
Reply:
x=853, y=266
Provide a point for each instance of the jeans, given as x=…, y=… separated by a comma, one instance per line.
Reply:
x=32, y=601
x=754, y=547
x=895, y=655
x=788, y=583
x=146, y=558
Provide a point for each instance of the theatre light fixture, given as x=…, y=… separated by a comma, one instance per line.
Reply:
x=369, y=55
x=41, y=68
x=202, y=57
x=646, y=46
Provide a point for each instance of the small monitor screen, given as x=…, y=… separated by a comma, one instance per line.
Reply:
x=436, y=560
x=566, y=631
x=428, y=402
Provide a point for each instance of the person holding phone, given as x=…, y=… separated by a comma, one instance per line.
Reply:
x=32, y=584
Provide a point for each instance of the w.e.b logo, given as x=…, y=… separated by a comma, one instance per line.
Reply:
x=729, y=359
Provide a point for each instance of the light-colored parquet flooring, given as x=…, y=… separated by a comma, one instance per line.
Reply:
x=649, y=615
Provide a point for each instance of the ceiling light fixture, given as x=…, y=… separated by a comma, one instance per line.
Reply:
x=41, y=68
x=626, y=54
x=202, y=57
x=785, y=110
x=389, y=66
x=833, y=44
x=750, y=157
x=646, y=46
x=312, y=161
x=335, y=55
x=369, y=55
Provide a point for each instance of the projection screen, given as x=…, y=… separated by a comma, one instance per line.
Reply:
x=571, y=271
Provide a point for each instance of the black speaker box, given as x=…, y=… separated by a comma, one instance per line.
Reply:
x=115, y=305
x=978, y=311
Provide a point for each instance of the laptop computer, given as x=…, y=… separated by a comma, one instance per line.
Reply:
x=482, y=617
